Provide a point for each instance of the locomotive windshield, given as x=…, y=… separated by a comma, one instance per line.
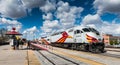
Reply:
x=93, y=30
x=90, y=30
x=86, y=30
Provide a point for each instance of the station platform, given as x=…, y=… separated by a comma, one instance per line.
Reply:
x=8, y=56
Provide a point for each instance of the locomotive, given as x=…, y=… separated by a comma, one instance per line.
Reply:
x=79, y=38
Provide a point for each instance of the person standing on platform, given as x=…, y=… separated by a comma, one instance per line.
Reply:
x=11, y=42
x=14, y=42
x=21, y=43
x=28, y=44
x=17, y=44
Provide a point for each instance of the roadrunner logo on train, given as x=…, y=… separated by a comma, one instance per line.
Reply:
x=79, y=38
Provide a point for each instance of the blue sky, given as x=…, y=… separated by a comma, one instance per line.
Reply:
x=35, y=18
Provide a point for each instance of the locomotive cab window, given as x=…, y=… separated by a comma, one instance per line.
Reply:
x=81, y=31
x=70, y=30
x=77, y=32
x=86, y=30
x=93, y=30
x=56, y=33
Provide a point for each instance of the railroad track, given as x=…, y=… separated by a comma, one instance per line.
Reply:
x=110, y=51
x=110, y=55
x=60, y=56
x=106, y=54
x=56, y=59
x=97, y=54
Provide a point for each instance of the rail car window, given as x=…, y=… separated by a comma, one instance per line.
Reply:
x=60, y=32
x=74, y=32
x=78, y=32
x=54, y=34
x=48, y=39
x=81, y=31
x=70, y=30
x=86, y=30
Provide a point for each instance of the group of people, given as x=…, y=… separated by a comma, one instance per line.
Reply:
x=19, y=42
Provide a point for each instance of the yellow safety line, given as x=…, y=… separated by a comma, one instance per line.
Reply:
x=85, y=60
x=31, y=59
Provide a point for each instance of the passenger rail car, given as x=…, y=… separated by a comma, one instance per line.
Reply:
x=79, y=38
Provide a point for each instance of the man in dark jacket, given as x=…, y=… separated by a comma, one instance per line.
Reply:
x=21, y=43
x=28, y=44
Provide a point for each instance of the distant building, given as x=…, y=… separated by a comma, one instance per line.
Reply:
x=2, y=32
x=111, y=40
x=3, y=37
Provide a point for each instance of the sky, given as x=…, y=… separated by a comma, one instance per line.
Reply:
x=36, y=18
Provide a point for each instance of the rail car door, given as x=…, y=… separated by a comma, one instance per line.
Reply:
x=77, y=36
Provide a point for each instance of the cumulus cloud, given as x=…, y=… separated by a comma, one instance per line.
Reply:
x=92, y=19
x=48, y=25
x=110, y=28
x=33, y=3
x=11, y=23
x=111, y=6
x=31, y=30
x=48, y=16
x=12, y=9
x=30, y=33
x=95, y=21
x=18, y=27
x=63, y=6
x=48, y=7
x=18, y=8
x=64, y=14
x=67, y=14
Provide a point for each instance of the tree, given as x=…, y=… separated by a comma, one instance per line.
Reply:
x=111, y=42
x=3, y=37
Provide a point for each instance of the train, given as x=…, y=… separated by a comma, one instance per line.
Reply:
x=79, y=38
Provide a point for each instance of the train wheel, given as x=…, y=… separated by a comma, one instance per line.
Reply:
x=78, y=48
x=102, y=49
x=90, y=48
x=82, y=47
x=97, y=50
x=73, y=46
x=93, y=48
